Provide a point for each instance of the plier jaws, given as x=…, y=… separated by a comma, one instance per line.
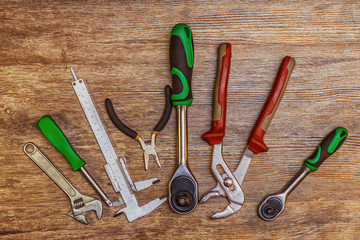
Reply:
x=149, y=149
x=227, y=184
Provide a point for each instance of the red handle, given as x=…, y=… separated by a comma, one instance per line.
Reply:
x=217, y=131
x=256, y=140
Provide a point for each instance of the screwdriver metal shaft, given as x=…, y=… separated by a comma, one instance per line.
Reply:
x=97, y=188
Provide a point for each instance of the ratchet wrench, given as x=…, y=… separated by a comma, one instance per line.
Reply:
x=183, y=189
x=274, y=205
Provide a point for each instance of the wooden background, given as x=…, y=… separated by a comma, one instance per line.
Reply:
x=121, y=49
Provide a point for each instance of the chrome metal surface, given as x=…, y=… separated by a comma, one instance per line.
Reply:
x=226, y=182
x=243, y=166
x=183, y=186
x=182, y=135
x=97, y=188
x=297, y=180
x=234, y=192
x=274, y=205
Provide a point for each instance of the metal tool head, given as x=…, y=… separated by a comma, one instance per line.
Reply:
x=229, y=210
x=215, y=192
x=82, y=204
x=183, y=193
x=149, y=149
x=232, y=208
x=227, y=184
x=272, y=206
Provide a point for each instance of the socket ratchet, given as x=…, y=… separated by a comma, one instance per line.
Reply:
x=183, y=189
x=274, y=205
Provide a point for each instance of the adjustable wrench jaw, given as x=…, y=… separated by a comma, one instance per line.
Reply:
x=81, y=204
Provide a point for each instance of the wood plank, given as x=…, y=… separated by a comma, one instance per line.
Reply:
x=121, y=49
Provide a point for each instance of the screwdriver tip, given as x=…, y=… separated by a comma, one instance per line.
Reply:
x=108, y=202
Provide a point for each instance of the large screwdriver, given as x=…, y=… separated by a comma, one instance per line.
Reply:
x=54, y=134
x=183, y=189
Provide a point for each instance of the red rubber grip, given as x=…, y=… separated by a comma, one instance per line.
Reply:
x=256, y=140
x=217, y=131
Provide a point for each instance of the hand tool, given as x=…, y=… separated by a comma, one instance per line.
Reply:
x=149, y=149
x=57, y=138
x=256, y=141
x=183, y=189
x=273, y=205
x=80, y=203
x=115, y=167
x=215, y=136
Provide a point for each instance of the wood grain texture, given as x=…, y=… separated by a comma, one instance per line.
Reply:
x=121, y=49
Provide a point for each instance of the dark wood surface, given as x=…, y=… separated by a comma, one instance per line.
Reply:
x=121, y=49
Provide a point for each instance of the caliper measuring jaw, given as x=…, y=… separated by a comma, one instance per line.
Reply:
x=115, y=167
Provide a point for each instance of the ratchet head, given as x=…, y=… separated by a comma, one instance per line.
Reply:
x=272, y=207
x=82, y=204
x=183, y=191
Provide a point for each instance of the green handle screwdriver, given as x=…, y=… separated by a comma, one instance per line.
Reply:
x=54, y=134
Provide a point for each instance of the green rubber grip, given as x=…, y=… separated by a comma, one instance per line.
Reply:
x=53, y=132
x=181, y=63
x=327, y=147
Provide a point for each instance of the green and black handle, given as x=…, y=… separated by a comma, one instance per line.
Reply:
x=327, y=147
x=181, y=63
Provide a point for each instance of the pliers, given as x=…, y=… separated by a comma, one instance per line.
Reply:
x=227, y=184
x=149, y=149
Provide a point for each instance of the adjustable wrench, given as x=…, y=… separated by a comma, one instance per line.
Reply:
x=256, y=141
x=274, y=205
x=80, y=203
x=220, y=170
x=183, y=189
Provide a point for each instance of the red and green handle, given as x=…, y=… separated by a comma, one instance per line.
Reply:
x=327, y=147
x=256, y=140
x=217, y=131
